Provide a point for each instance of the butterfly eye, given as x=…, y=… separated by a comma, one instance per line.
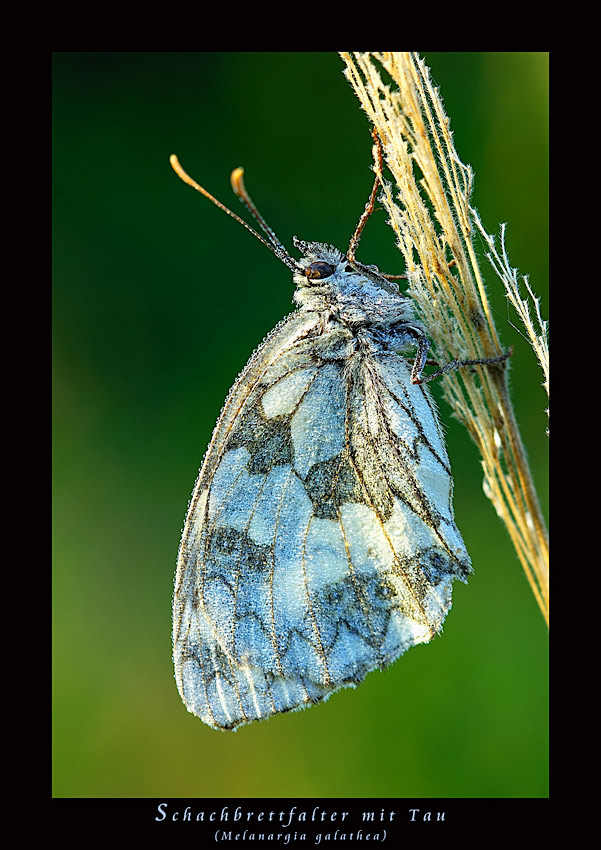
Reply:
x=318, y=270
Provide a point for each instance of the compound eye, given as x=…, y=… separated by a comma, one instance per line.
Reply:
x=318, y=270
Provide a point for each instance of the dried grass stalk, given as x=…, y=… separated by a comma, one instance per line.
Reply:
x=430, y=212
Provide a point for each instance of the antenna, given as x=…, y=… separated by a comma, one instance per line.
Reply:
x=274, y=244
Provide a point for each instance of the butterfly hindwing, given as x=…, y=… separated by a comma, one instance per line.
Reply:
x=320, y=542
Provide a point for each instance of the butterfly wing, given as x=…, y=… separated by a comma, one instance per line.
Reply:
x=320, y=541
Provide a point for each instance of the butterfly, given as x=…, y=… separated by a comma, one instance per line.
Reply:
x=320, y=542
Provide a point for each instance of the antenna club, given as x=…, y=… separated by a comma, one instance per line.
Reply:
x=237, y=181
x=175, y=165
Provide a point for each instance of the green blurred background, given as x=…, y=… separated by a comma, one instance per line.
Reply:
x=159, y=300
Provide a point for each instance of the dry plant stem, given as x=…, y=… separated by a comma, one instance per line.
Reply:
x=429, y=210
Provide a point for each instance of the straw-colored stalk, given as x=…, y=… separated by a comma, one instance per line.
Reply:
x=429, y=209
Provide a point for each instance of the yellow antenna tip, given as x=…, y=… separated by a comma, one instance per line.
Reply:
x=175, y=165
x=237, y=181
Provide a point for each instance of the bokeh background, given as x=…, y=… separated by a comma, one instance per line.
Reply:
x=159, y=299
